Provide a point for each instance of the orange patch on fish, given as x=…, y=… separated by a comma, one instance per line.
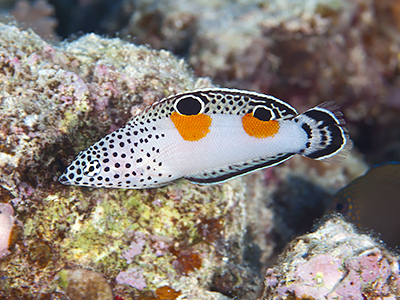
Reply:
x=259, y=129
x=191, y=128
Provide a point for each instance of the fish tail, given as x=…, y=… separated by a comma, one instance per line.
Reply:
x=327, y=138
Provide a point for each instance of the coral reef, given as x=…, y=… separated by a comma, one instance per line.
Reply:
x=334, y=262
x=182, y=240
x=55, y=101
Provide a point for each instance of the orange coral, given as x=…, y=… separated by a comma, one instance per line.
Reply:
x=167, y=293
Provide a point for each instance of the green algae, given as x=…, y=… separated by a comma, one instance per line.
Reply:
x=94, y=229
x=104, y=236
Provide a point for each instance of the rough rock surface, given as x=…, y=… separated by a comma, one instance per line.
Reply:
x=334, y=262
x=83, y=284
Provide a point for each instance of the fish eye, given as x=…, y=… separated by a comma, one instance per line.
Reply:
x=263, y=113
x=189, y=105
x=341, y=207
x=92, y=168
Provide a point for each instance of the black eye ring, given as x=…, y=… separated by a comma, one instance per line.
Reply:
x=263, y=113
x=189, y=105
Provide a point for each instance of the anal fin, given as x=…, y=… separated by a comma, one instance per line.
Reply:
x=225, y=173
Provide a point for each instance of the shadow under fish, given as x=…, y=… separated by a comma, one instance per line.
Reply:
x=372, y=202
x=297, y=203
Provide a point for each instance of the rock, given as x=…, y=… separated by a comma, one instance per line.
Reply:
x=83, y=284
x=334, y=262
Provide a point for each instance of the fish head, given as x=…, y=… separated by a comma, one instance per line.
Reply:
x=344, y=204
x=86, y=169
x=112, y=163
x=340, y=205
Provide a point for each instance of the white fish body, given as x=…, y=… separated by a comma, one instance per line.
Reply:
x=207, y=136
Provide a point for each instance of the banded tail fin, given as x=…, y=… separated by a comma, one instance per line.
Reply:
x=327, y=138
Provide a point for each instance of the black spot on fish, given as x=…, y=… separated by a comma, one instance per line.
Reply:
x=307, y=129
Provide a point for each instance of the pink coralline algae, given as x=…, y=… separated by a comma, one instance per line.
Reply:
x=160, y=248
x=132, y=277
x=369, y=270
x=335, y=262
x=41, y=97
x=134, y=249
x=157, y=244
x=6, y=225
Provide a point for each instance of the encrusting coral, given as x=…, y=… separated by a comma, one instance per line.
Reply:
x=334, y=262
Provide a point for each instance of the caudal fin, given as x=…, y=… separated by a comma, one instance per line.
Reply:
x=327, y=138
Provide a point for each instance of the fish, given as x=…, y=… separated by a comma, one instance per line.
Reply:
x=208, y=136
x=372, y=202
